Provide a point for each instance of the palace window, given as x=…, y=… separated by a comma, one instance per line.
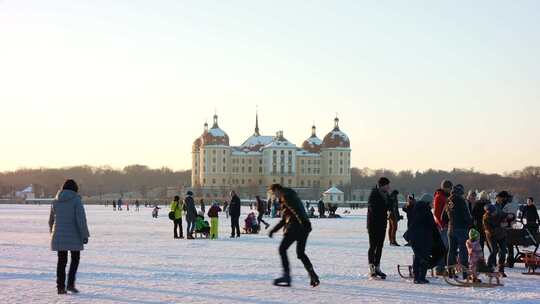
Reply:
x=213, y=181
x=260, y=169
x=249, y=169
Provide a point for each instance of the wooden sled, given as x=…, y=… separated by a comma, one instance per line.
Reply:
x=409, y=273
x=457, y=271
x=532, y=262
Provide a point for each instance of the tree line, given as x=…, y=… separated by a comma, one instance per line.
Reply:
x=138, y=178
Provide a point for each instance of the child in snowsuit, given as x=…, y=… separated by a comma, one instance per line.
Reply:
x=202, y=226
x=475, y=253
x=213, y=214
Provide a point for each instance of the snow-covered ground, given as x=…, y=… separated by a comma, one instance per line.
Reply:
x=132, y=258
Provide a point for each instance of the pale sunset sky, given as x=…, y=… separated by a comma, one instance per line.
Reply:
x=416, y=84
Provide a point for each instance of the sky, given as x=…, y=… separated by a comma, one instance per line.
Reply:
x=416, y=84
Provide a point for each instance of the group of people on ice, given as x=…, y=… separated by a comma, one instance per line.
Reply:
x=442, y=230
x=446, y=229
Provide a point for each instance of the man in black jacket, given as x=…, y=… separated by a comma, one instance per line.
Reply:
x=234, y=212
x=296, y=227
x=376, y=225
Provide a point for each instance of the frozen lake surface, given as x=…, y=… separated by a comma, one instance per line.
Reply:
x=132, y=258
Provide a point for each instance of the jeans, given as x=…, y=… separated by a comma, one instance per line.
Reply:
x=442, y=261
x=61, y=269
x=457, y=239
x=288, y=239
x=190, y=227
x=260, y=219
x=498, y=247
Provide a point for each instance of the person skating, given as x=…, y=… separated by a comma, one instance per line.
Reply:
x=203, y=207
x=261, y=207
x=234, y=212
x=213, y=214
x=420, y=234
x=137, y=205
x=376, y=225
x=393, y=218
x=459, y=222
x=69, y=232
x=440, y=200
x=191, y=214
x=177, y=208
x=296, y=228
x=114, y=205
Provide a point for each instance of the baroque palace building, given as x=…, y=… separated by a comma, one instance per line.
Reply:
x=218, y=167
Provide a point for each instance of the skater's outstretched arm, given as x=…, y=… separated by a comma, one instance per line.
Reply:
x=277, y=227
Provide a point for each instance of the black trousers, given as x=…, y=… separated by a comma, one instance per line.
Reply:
x=235, y=225
x=61, y=269
x=178, y=228
x=288, y=239
x=376, y=243
x=260, y=219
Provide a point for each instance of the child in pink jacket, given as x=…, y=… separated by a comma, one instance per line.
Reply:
x=475, y=253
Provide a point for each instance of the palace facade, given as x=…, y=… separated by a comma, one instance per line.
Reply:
x=218, y=167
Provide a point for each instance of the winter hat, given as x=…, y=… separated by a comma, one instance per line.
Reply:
x=484, y=196
x=446, y=184
x=426, y=198
x=383, y=181
x=489, y=208
x=474, y=234
x=503, y=194
x=189, y=193
x=458, y=190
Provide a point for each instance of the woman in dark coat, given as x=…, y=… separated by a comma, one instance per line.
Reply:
x=420, y=235
x=69, y=232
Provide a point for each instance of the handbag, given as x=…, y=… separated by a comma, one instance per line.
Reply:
x=171, y=213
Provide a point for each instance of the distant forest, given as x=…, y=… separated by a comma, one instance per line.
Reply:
x=138, y=178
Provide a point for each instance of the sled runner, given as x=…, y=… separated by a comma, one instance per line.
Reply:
x=454, y=277
x=409, y=274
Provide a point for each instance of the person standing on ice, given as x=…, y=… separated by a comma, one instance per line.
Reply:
x=234, y=212
x=459, y=223
x=393, y=218
x=296, y=228
x=376, y=225
x=421, y=230
x=177, y=208
x=213, y=214
x=261, y=209
x=191, y=214
x=69, y=232
x=439, y=205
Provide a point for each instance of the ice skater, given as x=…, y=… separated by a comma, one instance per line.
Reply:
x=261, y=209
x=296, y=228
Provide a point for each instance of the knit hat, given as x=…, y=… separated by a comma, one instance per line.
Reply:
x=383, y=181
x=503, y=194
x=474, y=234
x=189, y=193
x=446, y=184
x=489, y=208
x=458, y=190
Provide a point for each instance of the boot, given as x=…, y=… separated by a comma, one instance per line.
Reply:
x=61, y=291
x=379, y=273
x=372, y=273
x=314, y=278
x=501, y=271
x=72, y=289
x=284, y=281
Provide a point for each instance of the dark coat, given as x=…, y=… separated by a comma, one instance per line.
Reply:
x=492, y=226
x=477, y=214
x=261, y=206
x=530, y=213
x=191, y=211
x=458, y=213
x=422, y=225
x=234, y=206
x=408, y=210
x=377, y=210
x=67, y=222
x=214, y=211
x=294, y=218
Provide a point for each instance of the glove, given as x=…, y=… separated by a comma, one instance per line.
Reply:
x=400, y=217
x=85, y=241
